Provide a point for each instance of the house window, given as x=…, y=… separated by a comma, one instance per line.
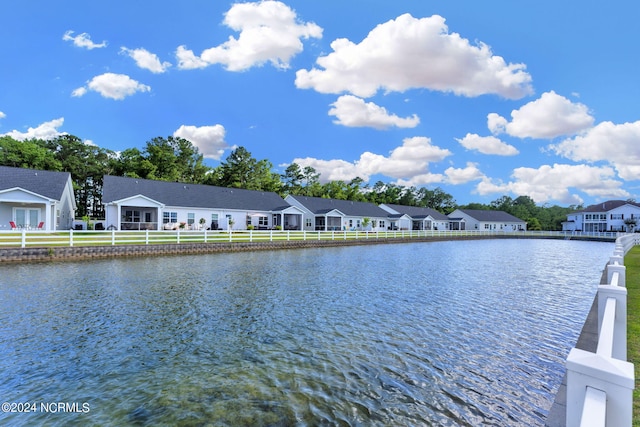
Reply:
x=307, y=222
x=350, y=223
x=26, y=217
x=168, y=217
x=263, y=221
x=381, y=224
x=131, y=216
x=248, y=220
x=617, y=216
x=191, y=218
x=214, y=221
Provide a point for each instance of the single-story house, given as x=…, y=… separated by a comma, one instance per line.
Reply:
x=485, y=220
x=322, y=214
x=421, y=218
x=612, y=215
x=36, y=199
x=143, y=204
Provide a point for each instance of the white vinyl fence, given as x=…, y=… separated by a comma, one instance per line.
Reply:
x=600, y=385
x=34, y=238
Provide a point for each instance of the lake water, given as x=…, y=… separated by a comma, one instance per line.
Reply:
x=465, y=333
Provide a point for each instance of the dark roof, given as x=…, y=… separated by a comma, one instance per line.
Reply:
x=490, y=216
x=608, y=206
x=320, y=205
x=45, y=183
x=419, y=212
x=190, y=195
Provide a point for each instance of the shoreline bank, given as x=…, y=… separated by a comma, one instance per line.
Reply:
x=78, y=253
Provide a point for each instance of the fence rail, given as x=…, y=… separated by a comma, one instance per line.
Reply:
x=600, y=385
x=69, y=238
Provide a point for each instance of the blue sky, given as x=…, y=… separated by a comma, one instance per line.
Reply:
x=481, y=99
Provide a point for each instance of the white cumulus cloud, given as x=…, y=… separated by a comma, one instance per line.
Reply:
x=82, y=40
x=114, y=86
x=408, y=53
x=2, y=115
x=550, y=116
x=557, y=182
x=463, y=175
x=209, y=139
x=46, y=130
x=352, y=111
x=269, y=33
x=617, y=144
x=487, y=145
x=187, y=60
x=146, y=60
x=406, y=162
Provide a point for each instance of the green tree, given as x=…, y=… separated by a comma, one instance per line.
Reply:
x=173, y=159
x=382, y=193
x=292, y=178
x=87, y=164
x=437, y=199
x=242, y=170
x=32, y=154
x=533, y=224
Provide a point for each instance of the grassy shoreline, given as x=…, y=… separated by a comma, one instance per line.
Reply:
x=632, y=264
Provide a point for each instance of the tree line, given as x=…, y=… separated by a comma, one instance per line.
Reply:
x=178, y=160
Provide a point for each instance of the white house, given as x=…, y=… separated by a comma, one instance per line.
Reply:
x=322, y=214
x=420, y=218
x=142, y=204
x=485, y=220
x=36, y=199
x=612, y=215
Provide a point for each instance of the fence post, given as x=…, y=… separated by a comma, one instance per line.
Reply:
x=614, y=377
x=113, y=237
x=70, y=237
x=146, y=237
x=24, y=238
x=620, y=325
x=621, y=270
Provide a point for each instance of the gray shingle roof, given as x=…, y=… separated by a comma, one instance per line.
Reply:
x=319, y=205
x=490, y=216
x=419, y=212
x=45, y=183
x=608, y=205
x=178, y=194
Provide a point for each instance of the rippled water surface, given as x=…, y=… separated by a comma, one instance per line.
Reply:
x=447, y=333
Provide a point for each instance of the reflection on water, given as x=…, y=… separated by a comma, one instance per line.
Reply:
x=448, y=333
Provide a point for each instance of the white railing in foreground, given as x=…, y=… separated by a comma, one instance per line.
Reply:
x=34, y=238
x=600, y=385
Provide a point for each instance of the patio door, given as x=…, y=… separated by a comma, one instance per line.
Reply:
x=27, y=217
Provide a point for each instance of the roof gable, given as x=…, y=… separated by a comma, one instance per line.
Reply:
x=320, y=205
x=609, y=205
x=176, y=194
x=490, y=216
x=48, y=184
x=418, y=212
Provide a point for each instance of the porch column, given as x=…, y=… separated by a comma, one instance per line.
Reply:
x=119, y=216
x=47, y=216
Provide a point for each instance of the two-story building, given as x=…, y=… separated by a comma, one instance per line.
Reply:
x=612, y=215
